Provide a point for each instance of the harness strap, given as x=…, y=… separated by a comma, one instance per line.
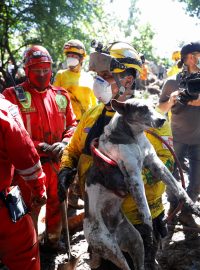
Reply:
x=95, y=151
x=96, y=130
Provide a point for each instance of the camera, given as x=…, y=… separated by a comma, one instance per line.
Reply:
x=190, y=86
x=97, y=45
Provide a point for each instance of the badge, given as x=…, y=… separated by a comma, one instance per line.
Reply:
x=61, y=101
x=27, y=103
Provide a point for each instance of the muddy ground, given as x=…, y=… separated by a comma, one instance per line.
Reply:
x=178, y=251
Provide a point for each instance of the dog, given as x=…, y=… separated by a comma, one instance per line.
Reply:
x=106, y=229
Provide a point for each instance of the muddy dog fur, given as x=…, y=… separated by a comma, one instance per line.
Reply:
x=107, y=230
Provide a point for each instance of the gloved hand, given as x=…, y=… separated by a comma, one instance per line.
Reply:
x=65, y=178
x=54, y=151
x=38, y=190
x=39, y=201
x=44, y=147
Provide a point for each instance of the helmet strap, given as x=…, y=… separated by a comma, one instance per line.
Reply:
x=120, y=87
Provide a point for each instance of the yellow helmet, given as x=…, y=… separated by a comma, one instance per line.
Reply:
x=74, y=46
x=176, y=55
x=116, y=58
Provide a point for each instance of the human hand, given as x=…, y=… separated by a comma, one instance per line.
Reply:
x=56, y=150
x=195, y=102
x=39, y=201
x=65, y=178
x=173, y=98
x=44, y=147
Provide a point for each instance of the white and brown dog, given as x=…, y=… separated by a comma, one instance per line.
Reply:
x=106, y=229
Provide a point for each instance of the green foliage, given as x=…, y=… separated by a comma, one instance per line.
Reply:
x=143, y=42
x=192, y=7
x=140, y=35
x=46, y=22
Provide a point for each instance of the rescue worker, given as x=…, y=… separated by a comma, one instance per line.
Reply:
x=18, y=240
x=176, y=56
x=49, y=119
x=77, y=82
x=119, y=78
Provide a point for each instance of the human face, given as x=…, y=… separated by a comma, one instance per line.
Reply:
x=107, y=76
x=73, y=61
x=197, y=58
x=39, y=75
x=193, y=62
x=125, y=82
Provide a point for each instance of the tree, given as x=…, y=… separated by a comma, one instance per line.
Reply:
x=192, y=7
x=143, y=41
x=46, y=22
x=140, y=35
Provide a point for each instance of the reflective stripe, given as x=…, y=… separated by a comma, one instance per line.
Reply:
x=70, y=127
x=28, y=124
x=32, y=176
x=65, y=123
x=30, y=170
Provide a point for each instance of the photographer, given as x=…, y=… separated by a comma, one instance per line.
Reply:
x=180, y=94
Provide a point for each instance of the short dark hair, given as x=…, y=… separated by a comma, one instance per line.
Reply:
x=190, y=48
x=129, y=72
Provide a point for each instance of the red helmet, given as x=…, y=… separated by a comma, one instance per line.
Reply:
x=36, y=54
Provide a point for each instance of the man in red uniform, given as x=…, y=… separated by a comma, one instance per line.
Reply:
x=18, y=240
x=49, y=119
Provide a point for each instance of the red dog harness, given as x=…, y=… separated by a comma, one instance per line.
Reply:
x=95, y=151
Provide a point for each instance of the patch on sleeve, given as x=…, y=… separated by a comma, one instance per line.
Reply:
x=13, y=109
x=87, y=129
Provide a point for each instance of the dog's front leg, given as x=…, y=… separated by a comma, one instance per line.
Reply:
x=135, y=186
x=130, y=241
x=160, y=171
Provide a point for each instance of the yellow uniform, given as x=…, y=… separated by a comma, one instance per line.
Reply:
x=173, y=71
x=79, y=87
x=73, y=156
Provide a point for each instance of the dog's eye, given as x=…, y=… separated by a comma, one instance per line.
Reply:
x=144, y=109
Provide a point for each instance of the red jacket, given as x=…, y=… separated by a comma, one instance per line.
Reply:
x=16, y=148
x=48, y=115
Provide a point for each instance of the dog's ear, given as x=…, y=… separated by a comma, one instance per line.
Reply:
x=118, y=106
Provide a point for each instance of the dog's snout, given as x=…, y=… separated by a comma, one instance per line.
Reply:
x=160, y=122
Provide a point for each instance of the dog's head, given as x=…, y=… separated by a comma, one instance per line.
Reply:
x=138, y=112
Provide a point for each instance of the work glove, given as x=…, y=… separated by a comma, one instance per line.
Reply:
x=65, y=178
x=38, y=190
x=54, y=151
x=44, y=147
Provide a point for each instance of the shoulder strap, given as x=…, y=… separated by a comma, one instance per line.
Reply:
x=96, y=130
x=20, y=93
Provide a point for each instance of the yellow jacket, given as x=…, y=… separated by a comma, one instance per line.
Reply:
x=73, y=157
x=173, y=70
x=79, y=86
